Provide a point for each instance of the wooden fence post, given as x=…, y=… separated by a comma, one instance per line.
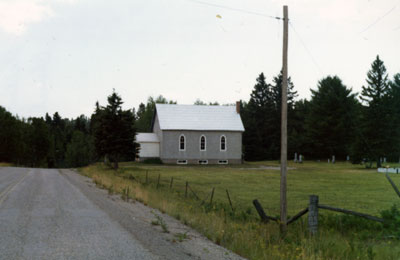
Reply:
x=170, y=184
x=212, y=195
x=229, y=198
x=313, y=215
x=187, y=184
x=158, y=181
x=260, y=211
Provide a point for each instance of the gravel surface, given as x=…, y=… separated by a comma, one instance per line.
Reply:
x=52, y=214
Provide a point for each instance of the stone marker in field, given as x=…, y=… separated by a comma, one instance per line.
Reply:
x=300, y=158
x=329, y=160
x=295, y=157
x=384, y=159
x=333, y=159
x=348, y=158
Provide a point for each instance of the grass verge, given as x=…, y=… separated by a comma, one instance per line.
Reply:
x=340, y=185
x=3, y=164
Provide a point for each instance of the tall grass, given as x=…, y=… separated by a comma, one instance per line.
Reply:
x=339, y=237
x=3, y=164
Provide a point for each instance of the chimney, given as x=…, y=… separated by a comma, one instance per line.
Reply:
x=238, y=107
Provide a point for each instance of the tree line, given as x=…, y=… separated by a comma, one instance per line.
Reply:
x=335, y=121
x=57, y=142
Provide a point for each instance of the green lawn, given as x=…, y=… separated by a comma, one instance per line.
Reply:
x=340, y=185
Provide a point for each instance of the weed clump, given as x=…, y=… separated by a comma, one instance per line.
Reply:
x=392, y=222
x=160, y=221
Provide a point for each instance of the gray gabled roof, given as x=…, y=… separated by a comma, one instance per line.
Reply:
x=200, y=118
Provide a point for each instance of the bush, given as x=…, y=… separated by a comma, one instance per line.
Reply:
x=392, y=221
x=153, y=161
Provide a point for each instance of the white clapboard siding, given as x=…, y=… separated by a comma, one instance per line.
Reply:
x=149, y=145
x=149, y=150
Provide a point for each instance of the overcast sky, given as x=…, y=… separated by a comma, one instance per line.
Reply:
x=64, y=55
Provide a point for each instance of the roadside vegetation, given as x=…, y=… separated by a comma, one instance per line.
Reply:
x=340, y=185
x=2, y=164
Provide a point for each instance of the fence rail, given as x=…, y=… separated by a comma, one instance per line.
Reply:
x=313, y=213
x=393, y=185
x=312, y=208
x=350, y=212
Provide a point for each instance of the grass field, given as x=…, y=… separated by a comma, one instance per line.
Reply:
x=340, y=185
x=2, y=164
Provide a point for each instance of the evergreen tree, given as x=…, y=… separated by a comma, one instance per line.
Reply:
x=277, y=93
x=79, y=151
x=114, y=131
x=394, y=99
x=262, y=120
x=257, y=120
x=378, y=83
x=329, y=124
x=199, y=102
x=297, y=140
x=376, y=113
x=277, y=118
x=9, y=140
x=39, y=142
x=145, y=113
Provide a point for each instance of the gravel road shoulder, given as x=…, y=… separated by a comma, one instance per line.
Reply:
x=136, y=218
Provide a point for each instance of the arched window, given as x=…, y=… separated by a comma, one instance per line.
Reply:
x=202, y=143
x=223, y=143
x=182, y=145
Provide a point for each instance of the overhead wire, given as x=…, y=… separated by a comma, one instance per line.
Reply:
x=307, y=50
x=267, y=16
x=236, y=9
x=379, y=19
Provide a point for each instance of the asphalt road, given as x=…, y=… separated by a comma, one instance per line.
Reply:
x=52, y=214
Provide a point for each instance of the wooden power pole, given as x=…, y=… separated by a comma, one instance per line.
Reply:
x=283, y=223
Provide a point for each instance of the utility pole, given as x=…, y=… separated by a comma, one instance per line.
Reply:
x=283, y=223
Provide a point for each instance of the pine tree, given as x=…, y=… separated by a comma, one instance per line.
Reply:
x=146, y=112
x=297, y=140
x=114, y=131
x=257, y=119
x=79, y=151
x=39, y=142
x=378, y=84
x=262, y=120
x=394, y=100
x=329, y=124
x=376, y=120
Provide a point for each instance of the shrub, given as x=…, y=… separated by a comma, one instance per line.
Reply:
x=153, y=161
x=392, y=221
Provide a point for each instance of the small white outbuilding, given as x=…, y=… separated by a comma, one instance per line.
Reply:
x=149, y=145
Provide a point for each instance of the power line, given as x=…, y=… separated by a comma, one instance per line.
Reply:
x=236, y=9
x=379, y=19
x=307, y=50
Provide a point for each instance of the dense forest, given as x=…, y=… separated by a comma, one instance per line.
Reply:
x=335, y=121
